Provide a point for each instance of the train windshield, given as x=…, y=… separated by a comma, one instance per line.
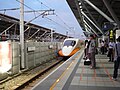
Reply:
x=69, y=43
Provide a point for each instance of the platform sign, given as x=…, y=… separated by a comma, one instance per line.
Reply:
x=111, y=34
x=107, y=26
x=5, y=57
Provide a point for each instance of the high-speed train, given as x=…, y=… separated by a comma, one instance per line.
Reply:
x=70, y=47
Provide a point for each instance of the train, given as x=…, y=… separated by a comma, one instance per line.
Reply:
x=70, y=47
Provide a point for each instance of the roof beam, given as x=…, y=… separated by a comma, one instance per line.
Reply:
x=91, y=15
x=99, y=11
x=107, y=4
x=34, y=33
x=42, y=35
x=90, y=28
x=7, y=29
x=80, y=14
x=92, y=22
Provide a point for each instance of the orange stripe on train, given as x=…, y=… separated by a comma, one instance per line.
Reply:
x=74, y=51
x=60, y=52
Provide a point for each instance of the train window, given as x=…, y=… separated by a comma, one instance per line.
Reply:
x=69, y=43
x=73, y=43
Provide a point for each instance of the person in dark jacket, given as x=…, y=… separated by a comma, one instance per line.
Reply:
x=116, y=58
x=86, y=49
x=103, y=47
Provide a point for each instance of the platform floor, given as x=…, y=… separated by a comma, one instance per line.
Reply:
x=74, y=75
x=94, y=79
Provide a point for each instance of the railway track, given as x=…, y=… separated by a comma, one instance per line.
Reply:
x=37, y=77
x=23, y=80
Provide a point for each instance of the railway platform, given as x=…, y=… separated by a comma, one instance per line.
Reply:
x=74, y=75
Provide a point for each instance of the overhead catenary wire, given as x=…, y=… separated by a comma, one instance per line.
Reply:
x=25, y=5
x=10, y=9
x=63, y=21
x=33, y=11
x=43, y=4
x=56, y=23
x=68, y=27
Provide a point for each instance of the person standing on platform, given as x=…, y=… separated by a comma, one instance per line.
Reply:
x=99, y=46
x=91, y=51
x=103, y=47
x=110, y=52
x=86, y=49
x=116, y=58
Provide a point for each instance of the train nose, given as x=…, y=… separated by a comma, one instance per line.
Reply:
x=66, y=50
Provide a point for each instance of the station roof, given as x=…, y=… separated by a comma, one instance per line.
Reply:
x=10, y=26
x=96, y=16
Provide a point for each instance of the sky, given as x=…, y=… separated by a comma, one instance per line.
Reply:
x=62, y=22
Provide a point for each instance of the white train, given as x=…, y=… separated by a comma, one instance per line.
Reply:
x=70, y=47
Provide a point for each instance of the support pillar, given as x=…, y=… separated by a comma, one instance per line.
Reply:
x=22, y=33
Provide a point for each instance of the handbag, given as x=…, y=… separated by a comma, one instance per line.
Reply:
x=87, y=62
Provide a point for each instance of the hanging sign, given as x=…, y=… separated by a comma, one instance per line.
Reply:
x=111, y=34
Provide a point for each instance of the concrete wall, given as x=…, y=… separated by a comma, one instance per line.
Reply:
x=15, y=57
x=42, y=52
x=38, y=53
x=3, y=76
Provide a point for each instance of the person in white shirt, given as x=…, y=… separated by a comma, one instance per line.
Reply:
x=110, y=52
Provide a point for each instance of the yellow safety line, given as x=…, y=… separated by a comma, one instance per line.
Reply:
x=55, y=83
